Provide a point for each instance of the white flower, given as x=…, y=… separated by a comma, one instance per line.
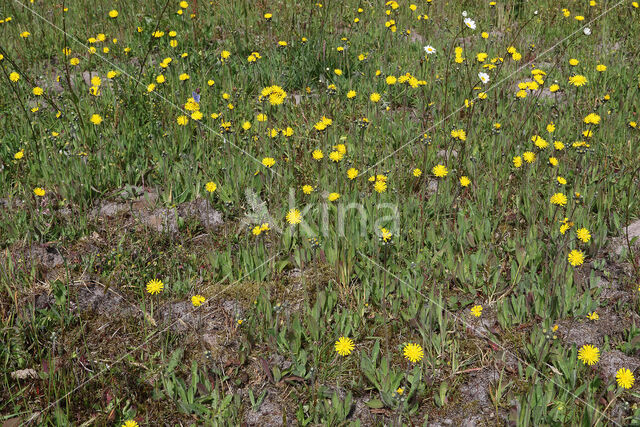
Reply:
x=484, y=77
x=470, y=23
x=464, y=13
x=429, y=49
x=587, y=31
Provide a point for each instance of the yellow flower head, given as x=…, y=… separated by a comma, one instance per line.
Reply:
x=576, y=257
x=39, y=191
x=197, y=300
x=625, y=378
x=440, y=171
x=413, y=352
x=155, y=286
x=344, y=346
x=294, y=217
x=476, y=310
x=211, y=186
x=588, y=354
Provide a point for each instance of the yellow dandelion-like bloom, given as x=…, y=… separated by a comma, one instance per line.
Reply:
x=211, y=187
x=440, y=171
x=96, y=119
x=256, y=230
x=19, y=155
x=317, y=155
x=294, y=217
x=592, y=119
x=417, y=172
x=307, y=189
x=576, y=258
x=476, y=310
x=374, y=97
x=380, y=186
x=578, y=80
x=583, y=234
x=352, y=173
x=197, y=300
x=155, y=286
x=336, y=156
x=559, y=199
x=113, y=13
x=351, y=94
x=465, y=181
x=344, y=346
x=268, y=162
x=413, y=352
x=593, y=316
x=129, y=423
x=529, y=156
x=625, y=378
x=37, y=91
x=517, y=161
x=588, y=354
x=333, y=197
x=14, y=77
x=39, y=191
x=182, y=120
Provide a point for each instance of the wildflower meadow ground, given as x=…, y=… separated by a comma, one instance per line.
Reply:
x=417, y=212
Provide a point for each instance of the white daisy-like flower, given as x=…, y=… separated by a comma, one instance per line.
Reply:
x=587, y=31
x=484, y=77
x=429, y=50
x=470, y=23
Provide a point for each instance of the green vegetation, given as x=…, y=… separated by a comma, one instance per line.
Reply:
x=340, y=213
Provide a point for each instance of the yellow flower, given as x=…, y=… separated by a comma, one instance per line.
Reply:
x=129, y=423
x=333, y=197
x=439, y=171
x=576, y=257
x=476, y=310
x=588, y=354
x=182, y=120
x=391, y=80
x=268, y=161
x=37, y=91
x=38, y=191
x=14, y=77
x=211, y=186
x=261, y=117
x=197, y=300
x=155, y=286
x=113, y=13
x=417, y=172
x=583, y=234
x=96, y=119
x=517, y=161
x=592, y=119
x=352, y=173
x=529, y=156
x=601, y=68
x=578, y=80
x=294, y=217
x=317, y=155
x=625, y=378
x=307, y=189
x=374, y=97
x=559, y=199
x=465, y=181
x=351, y=94
x=593, y=316
x=19, y=155
x=380, y=186
x=413, y=352
x=344, y=346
